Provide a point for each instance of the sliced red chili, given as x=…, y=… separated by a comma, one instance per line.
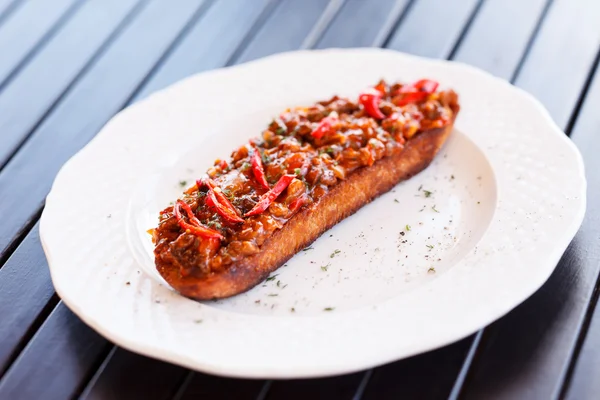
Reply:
x=417, y=91
x=258, y=170
x=381, y=87
x=194, y=226
x=217, y=200
x=297, y=203
x=370, y=100
x=222, y=205
x=325, y=125
x=223, y=165
x=266, y=199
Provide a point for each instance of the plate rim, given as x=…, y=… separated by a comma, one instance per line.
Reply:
x=215, y=368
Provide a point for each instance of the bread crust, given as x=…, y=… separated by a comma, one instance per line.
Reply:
x=361, y=187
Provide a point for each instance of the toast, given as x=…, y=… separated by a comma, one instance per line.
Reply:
x=248, y=216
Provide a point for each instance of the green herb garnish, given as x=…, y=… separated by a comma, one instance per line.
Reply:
x=297, y=171
x=431, y=270
x=427, y=193
x=429, y=246
x=335, y=252
x=245, y=166
x=214, y=224
x=307, y=248
x=407, y=227
x=272, y=294
x=271, y=277
x=182, y=183
x=328, y=309
x=396, y=201
x=280, y=131
x=265, y=158
x=434, y=209
x=324, y=267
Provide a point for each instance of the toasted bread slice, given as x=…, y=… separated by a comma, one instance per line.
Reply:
x=361, y=187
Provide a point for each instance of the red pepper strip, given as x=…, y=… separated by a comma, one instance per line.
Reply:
x=297, y=203
x=215, y=198
x=370, y=99
x=266, y=199
x=325, y=125
x=195, y=227
x=417, y=91
x=257, y=169
x=224, y=208
x=223, y=165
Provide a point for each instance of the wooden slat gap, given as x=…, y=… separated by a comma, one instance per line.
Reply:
x=582, y=95
x=8, y=11
x=331, y=11
x=534, y=35
x=184, y=385
x=458, y=386
x=97, y=373
x=476, y=345
x=362, y=386
x=260, y=21
x=42, y=42
x=464, y=370
x=108, y=347
x=99, y=53
x=19, y=237
x=465, y=29
x=37, y=323
x=589, y=314
x=389, y=31
x=174, y=44
x=367, y=375
x=264, y=391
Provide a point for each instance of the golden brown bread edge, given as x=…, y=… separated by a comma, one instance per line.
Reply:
x=343, y=200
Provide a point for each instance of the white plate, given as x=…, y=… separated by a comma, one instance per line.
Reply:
x=508, y=195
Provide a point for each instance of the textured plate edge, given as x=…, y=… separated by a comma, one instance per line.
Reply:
x=151, y=351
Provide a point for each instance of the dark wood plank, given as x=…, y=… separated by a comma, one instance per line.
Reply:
x=495, y=48
x=432, y=27
x=135, y=376
x=360, y=23
x=183, y=61
x=557, y=65
x=584, y=383
x=529, y=350
x=7, y=7
x=19, y=114
x=436, y=371
x=54, y=364
x=211, y=42
x=26, y=292
x=230, y=21
x=23, y=31
x=412, y=378
x=339, y=387
x=202, y=386
x=97, y=96
x=102, y=91
x=287, y=29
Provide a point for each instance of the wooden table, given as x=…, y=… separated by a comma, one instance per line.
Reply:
x=67, y=66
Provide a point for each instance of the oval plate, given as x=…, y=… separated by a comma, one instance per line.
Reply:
x=507, y=196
